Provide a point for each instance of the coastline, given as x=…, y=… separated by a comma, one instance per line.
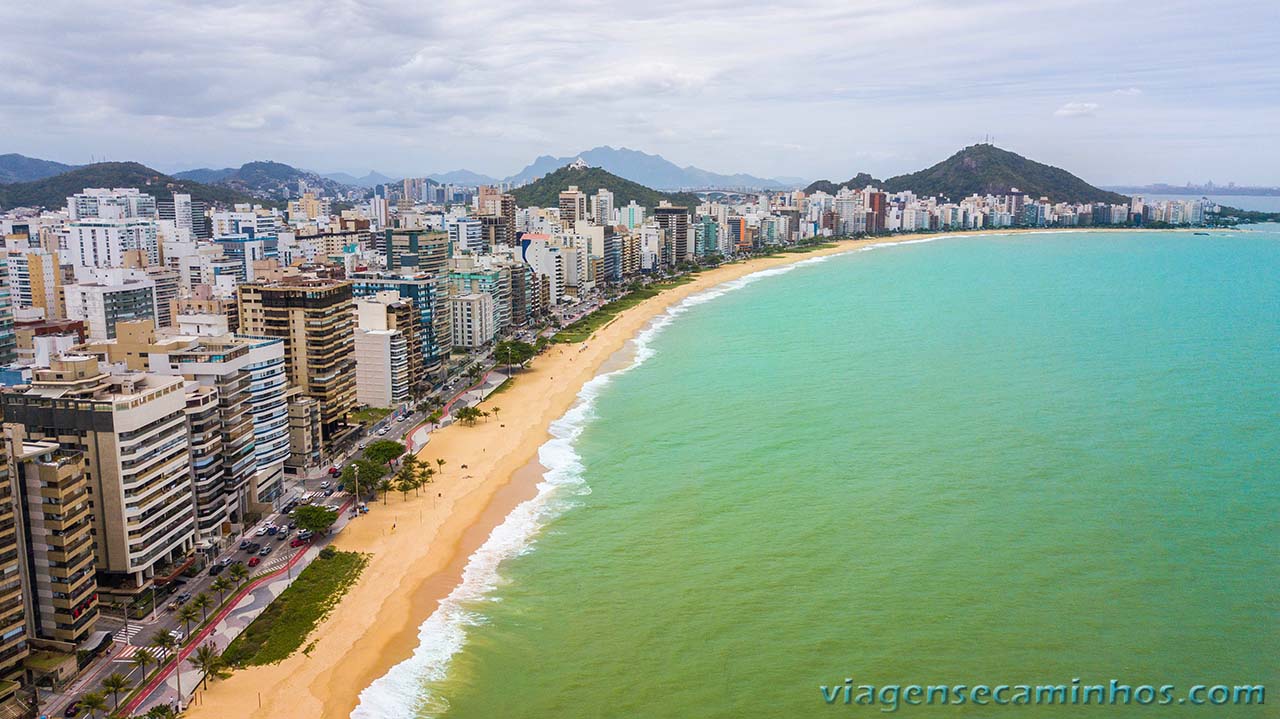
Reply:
x=420, y=547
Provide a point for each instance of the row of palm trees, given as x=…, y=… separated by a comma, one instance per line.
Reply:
x=205, y=658
x=412, y=476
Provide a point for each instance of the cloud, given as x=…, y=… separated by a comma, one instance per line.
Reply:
x=728, y=85
x=1077, y=109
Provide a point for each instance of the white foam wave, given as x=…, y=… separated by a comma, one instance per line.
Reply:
x=402, y=691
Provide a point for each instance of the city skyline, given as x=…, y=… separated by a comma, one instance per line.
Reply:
x=1115, y=93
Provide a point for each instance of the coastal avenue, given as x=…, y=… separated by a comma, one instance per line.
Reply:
x=284, y=562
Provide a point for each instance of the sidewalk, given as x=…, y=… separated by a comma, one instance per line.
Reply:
x=238, y=613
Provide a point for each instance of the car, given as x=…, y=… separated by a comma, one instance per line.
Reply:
x=72, y=709
x=304, y=534
x=297, y=542
x=328, y=492
x=184, y=597
x=334, y=472
x=292, y=525
x=226, y=561
x=282, y=536
x=264, y=551
x=253, y=561
x=324, y=484
x=383, y=431
x=272, y=530
x=244, y=543
x=216, y=569
x=262, y=530
x=253, y=547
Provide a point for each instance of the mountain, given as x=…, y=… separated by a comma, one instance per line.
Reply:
x=857, y=182
x=651, y=170
x=986, y=169
x=20, y=168
x=52, y=192
x=545, y=192
x=370, y=180
x=205, y=174
x=269, y=180
x=462, y=177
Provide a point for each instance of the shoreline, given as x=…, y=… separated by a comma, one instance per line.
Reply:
x=421, y=546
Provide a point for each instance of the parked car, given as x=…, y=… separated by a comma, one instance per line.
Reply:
x=334, y=472
x=216, y=569
x=297, y=542
x=253, y=561
x=304, y=535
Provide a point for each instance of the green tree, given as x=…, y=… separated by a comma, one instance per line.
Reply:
x=514, y=352
x=383, y=451
x=222, y=585
x=166, y=644
x=385, y=485
x=160, y=711
x=467, y=415
x=440, y=463
x=435, y=417
x=202, y=602
x=142, y=658
x=314, y=519
x=495, y=411
x=187, y=615
x=368, y=474
x=239, y=573
x=93, y=702
x=405, y=485
x=426, y=475
x=208, y=660
x=115, y=682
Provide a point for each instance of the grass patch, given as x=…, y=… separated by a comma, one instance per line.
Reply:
x=370, y=415
x=506, y=385
x=581, y=330
x=284, y=625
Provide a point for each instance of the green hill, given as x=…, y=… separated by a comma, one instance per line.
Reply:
x=545, y=192
x=52, y=192
x=986, y=169
x=857, y=182
x=20, y=168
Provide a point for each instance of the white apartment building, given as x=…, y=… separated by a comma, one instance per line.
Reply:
x=107, y=296
x=473, y=326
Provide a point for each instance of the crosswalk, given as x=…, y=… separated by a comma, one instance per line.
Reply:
x=127, y=652
x=126, y=635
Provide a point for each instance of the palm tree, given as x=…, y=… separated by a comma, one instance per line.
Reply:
x=141, y=658
x=209, y=661
x=239, y=573
x=94, y=702
x=165, y=642
x=222, y=585
x=495, y=411
x=384, y=486
x=202, y=602
x=403, y=486
x=408, y=475
x=427, y=475
x=188, y=614
x=115, y=682
x=440, y=463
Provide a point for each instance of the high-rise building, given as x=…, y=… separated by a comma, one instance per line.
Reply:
x=602, y=207
x=35, y=279
x=131, y=428
x=388, y=352
x=472, y=320
x=190, y=216
x=15, y=641
x=573, y=206
x=117, y=202
x=103, y=241
x=105, y=297
x=409, y=249
x=429, y=292
x=675, y=222
x=315, y=318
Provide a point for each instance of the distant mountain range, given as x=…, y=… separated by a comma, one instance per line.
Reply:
x=370, y=180
x=20, y=168
x=1160, y=188
x=985, y=169
x=52, y=191
x=650, y=170
x=545, y=191
x=267, y=180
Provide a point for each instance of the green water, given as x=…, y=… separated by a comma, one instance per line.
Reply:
x=1004, y=460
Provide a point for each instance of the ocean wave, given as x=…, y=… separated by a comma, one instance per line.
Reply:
x=402, y=692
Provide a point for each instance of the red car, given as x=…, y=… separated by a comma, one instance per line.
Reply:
x=253, y=561
x=297, y=542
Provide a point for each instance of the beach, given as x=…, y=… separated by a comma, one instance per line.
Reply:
x=418, y=547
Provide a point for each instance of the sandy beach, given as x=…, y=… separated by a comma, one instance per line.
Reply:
x=419, y=547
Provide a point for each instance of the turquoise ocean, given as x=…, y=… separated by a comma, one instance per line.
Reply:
x=1005, y=459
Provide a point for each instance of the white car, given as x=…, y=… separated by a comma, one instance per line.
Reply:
x=262, y=531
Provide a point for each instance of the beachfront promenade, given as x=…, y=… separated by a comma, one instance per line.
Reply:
x=162, y=689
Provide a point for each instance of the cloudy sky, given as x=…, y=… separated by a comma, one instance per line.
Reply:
x=1145, y=90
